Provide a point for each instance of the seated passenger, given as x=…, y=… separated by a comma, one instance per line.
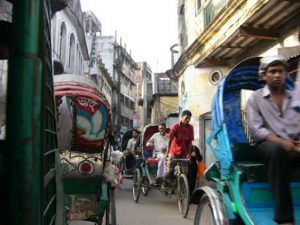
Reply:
x=131, y=151
x=275, y=127
x=180, y=144
x=160, y=142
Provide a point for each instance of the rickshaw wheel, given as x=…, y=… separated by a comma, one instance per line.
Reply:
x=204, y=212
x=137, y=181
x=145, y=186
x=183, y=195
x=112, y=208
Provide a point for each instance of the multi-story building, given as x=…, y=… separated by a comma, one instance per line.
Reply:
x=120, y=66
x=5, y=20
x=165, y=98
x=95, y=68
x=68, y=40
x=214, y=35
x=144, y=92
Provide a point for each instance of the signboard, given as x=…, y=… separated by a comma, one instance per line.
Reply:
x=136, y=121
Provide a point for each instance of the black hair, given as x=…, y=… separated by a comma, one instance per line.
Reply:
x=162, y=124
x=186, y=112
x=278, y=62
x=135, y=131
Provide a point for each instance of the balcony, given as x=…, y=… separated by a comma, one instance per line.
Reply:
x=128, y=73
x=126, y=91
x=126, y=112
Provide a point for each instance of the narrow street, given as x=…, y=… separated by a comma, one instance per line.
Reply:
x=153, y=209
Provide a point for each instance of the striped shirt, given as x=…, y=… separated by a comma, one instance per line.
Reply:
x=264, y=117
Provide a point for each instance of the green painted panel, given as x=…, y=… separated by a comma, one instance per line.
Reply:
x=82, y=186
x=265, y=194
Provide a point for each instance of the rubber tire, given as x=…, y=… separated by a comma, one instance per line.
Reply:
x=183, y=195
x=208, y=217
x=110, y=210
x=137, y=183
x=145, y=186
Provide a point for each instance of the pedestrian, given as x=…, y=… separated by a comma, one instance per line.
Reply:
x=195, y=158
x=180, y=142
x=274, y=126
x=160, y=142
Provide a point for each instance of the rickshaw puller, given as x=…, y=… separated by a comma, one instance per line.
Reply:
x=180, y=143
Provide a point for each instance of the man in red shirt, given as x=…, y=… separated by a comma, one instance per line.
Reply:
x=180, y=143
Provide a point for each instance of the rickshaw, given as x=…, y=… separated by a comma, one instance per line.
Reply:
x=126, y=137
x=145, y=172
x=83, y=124
x=238, y=192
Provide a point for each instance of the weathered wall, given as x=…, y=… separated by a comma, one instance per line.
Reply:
x=162, y=107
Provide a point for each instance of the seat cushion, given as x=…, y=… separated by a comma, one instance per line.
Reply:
x=152, y=162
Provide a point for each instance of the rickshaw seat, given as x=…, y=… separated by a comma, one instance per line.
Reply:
x=247, y=162
x=252, y=168
x=152, y=162
x=148, y=153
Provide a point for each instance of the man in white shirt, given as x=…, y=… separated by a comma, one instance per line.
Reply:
x=131, y=151
x=160, y=142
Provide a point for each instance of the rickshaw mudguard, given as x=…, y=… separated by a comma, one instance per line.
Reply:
x=103, y=196
x=237, y=200
x=216, y=201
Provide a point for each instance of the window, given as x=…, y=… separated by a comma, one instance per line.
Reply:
x=215, y=77
x=72, y=53
x=94, y=78
x=77, y=60
x=198, y=4
x=182, y=88
x=62, y=43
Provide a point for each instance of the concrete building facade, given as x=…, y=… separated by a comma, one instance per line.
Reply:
x=68, y=40
x=120, y=67
x=5, y=17
x=94, y=68
x=214, y=35
x=144, y=92
x=165, y=98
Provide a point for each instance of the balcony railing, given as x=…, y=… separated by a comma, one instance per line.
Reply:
x=212, y=9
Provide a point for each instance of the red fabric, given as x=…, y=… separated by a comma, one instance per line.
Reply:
x=181, y=136
x=152, y=162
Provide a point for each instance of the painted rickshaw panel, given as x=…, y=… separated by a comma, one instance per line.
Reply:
x=84, y=114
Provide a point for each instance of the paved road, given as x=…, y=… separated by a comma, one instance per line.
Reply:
x=154, y=209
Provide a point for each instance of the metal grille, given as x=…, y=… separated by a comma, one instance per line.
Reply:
x=246, y=128
x=49, y=123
